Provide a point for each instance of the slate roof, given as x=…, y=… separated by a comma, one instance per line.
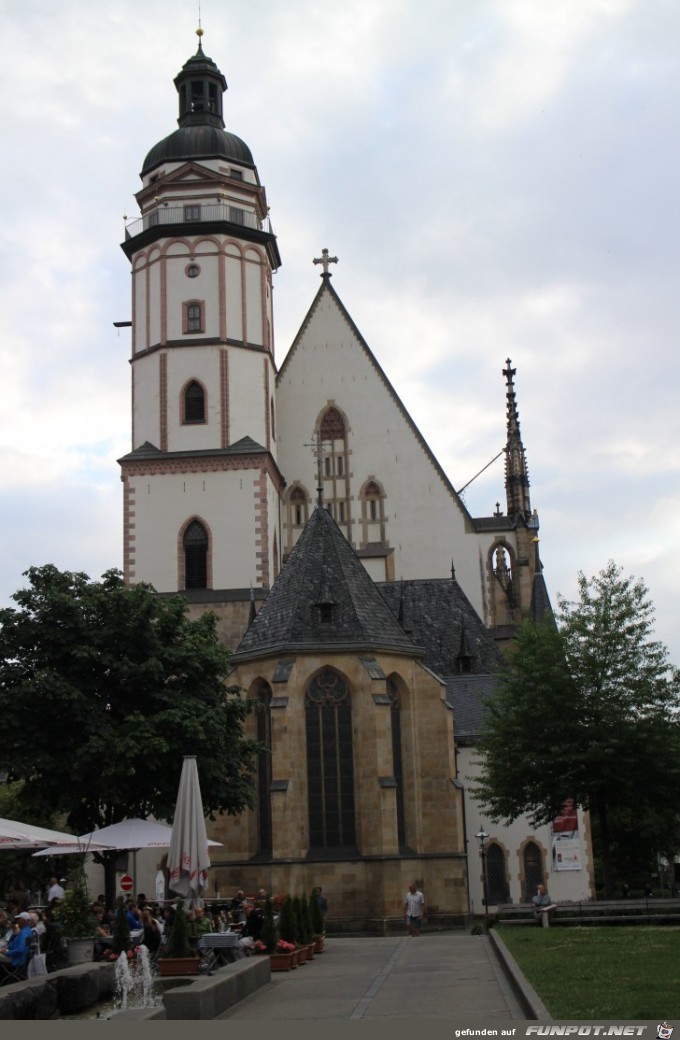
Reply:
x=540, y=601
x=437, y=615
x=467, y=695
x=245, y=446
x=323, y=571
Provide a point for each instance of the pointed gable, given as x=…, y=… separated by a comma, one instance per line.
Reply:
x=327, y=293
x=323, y=599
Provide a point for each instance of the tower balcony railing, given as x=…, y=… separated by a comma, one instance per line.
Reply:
x=196, y=214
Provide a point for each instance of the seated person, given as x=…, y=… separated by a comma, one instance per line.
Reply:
x=152, y=933
x=202, y=922
x=18, y=948
x=541, y=901
x=236, y=909
x=253, y=925
x=102, y=930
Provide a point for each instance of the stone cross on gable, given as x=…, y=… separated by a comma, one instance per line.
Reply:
x=325, y=259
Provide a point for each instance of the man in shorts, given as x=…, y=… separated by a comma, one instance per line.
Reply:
x=414, y=909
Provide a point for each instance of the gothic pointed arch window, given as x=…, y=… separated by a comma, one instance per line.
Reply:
x=262, y=696
x=296, y=514
x=372, y=497
x=330, y=762
x=195, y=545
x=193, y=403
x=331, y=437
x=496, y=874
x=533, y=871
x=397, y=758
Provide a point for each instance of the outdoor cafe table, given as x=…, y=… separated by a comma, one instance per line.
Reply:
x=220, y=947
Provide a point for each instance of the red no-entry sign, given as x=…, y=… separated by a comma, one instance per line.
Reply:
x=126, y=883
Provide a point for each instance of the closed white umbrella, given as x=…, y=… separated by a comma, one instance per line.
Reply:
x=188, y=859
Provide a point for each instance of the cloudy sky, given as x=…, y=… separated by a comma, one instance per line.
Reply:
x=499, y=178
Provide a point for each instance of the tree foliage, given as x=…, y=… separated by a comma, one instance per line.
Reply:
x=587, y=708
x=104, y=689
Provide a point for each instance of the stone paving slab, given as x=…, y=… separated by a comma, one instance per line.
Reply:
x=435, y=976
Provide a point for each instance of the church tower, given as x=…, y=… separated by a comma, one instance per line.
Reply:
x=201, y=483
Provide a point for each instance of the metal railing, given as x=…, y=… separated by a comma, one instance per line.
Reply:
x=199, y=214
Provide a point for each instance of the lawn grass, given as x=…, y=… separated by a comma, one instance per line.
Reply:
x=601, y=972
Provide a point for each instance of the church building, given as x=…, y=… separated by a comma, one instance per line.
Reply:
x=365, y=607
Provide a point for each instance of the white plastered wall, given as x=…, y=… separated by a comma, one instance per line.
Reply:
x=563, y=885
x=426, y=526
x=222, y=500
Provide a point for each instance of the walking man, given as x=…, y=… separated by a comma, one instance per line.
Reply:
x=414, y=909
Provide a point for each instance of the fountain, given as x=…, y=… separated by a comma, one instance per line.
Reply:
x=134, y=981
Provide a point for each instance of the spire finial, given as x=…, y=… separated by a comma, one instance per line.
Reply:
x=516, y=472
x=199, y=31
x=325, y=259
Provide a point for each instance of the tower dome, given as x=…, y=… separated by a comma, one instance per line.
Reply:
x=201, y=134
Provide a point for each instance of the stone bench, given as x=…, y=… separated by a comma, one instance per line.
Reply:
x=209, y=995
x=63, y=992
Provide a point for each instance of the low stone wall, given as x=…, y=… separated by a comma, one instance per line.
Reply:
x=64, y=992
x=209, y=995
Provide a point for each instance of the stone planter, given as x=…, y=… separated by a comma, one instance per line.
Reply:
x=302, y=954
x=178, y=965
x=310, y=951
x=79, y=951
x=318, y=945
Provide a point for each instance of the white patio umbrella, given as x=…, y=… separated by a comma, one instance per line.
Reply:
x=123, y=836
x=188, y=858
x=17, y=835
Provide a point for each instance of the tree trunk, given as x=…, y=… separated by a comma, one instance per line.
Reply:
x=605, y=852
x=108, y=861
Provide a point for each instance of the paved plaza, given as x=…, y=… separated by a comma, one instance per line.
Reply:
x=436, y=976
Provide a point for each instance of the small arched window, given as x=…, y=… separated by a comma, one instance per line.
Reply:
x=195, y=556
x=194, y=403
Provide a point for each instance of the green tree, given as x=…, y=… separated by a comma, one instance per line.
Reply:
x=268, y=935
x=587, y=708
x=178, y=940
x=103, y=689
x=287, y=921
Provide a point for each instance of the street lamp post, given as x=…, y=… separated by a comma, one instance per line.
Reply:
x=481, y=837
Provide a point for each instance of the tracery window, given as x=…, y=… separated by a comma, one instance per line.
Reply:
x=372, y=498
x=331, y=439
x=262, y=697
x=330, y=762
x=397, y=758
x=496, y=874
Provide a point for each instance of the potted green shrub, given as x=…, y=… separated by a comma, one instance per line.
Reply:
x=79, y=924
x=178, y=956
